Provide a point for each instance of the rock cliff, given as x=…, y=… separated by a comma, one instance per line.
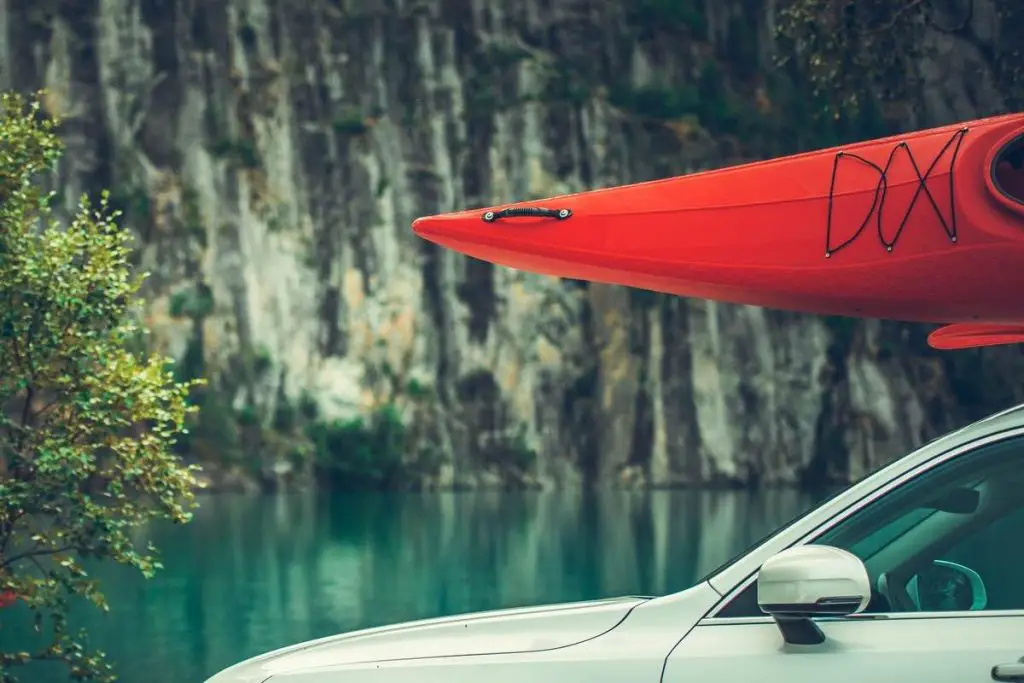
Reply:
x=270, y=155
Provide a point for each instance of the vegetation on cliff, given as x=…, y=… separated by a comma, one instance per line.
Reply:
x=855, y=52
x=87, y=422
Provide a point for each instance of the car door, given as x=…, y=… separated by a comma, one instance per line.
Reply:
x=965, y=514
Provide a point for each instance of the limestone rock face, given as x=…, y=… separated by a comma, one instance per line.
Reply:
x=271, y=155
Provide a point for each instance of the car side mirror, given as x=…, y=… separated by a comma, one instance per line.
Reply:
x=811, y=581
x=944, y=586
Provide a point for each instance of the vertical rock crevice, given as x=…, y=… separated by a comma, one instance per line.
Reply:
x=270, y=156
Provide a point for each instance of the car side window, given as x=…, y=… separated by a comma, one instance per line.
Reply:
x=743, y=605
x=949, y=539
x=997, y=555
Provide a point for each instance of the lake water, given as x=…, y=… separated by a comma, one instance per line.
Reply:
x=254, y=573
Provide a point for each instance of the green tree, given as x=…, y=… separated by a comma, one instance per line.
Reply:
x=86, y=424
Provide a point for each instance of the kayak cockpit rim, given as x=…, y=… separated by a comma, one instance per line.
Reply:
x=1007, y=169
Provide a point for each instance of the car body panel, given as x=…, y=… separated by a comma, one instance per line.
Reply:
x=640, y=639
x=634, y=650
x=520, y=630
x=954, y=647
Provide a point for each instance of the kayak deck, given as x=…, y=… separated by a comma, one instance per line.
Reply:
x=927, y=227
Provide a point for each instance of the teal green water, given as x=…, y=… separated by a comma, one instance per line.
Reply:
x=254, y=573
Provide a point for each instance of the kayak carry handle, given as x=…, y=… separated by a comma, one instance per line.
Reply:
x=526, y=212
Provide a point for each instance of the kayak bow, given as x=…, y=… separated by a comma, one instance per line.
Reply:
x=923, y=227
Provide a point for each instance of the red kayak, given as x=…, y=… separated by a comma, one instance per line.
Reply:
x=923, y=227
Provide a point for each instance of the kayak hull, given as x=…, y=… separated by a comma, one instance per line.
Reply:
x=925, y=227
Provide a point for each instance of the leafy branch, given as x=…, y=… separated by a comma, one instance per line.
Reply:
x=87, y=426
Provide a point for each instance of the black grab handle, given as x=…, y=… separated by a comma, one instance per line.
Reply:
x=526, y=212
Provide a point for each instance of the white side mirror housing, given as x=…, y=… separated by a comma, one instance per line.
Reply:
x=811, y=581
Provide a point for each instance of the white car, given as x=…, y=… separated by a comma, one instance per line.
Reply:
x=914, y=574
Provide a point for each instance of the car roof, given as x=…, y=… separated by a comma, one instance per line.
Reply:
x=1010, y=418
x=1006, y=419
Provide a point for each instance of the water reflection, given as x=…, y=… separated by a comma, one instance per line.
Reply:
x=254, y=573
